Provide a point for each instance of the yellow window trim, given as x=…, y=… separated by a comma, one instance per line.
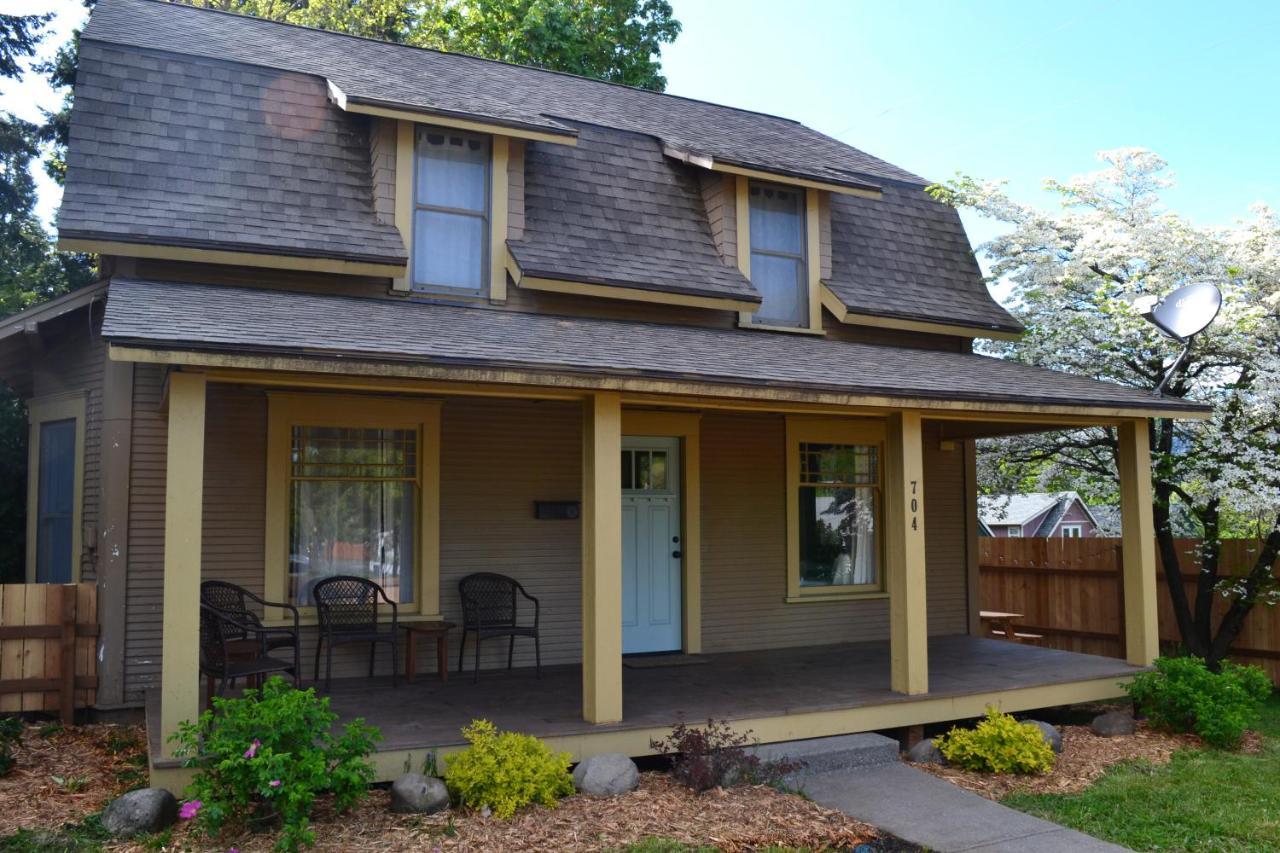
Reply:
x=802, y=429
x=499, y=158
x=708, y=162
x=813, y=253
x=687, y=427
x=227, y=256
x=632, y=294
x=40, y=410
x=426, y=116
x=287, y=410
x=841, y=312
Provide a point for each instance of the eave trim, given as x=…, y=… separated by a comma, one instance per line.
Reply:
x=780, y=176
x=229, y=256
x=446, y=118
x=618, y=291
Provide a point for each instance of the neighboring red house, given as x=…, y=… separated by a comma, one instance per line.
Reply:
x=1044, y=514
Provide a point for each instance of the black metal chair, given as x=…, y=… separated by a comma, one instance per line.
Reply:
x=217, y=661
x=490, y=609
x=347, y=607
x=234, y=601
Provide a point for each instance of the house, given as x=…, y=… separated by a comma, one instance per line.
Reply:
x=1039, y=514
x=734, y=353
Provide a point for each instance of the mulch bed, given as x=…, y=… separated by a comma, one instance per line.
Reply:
x=64, y=774
x=1085, y=756
x=740, y=819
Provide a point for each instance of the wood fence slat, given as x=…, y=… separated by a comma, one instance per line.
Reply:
x=1071, y=591
x=10, y=652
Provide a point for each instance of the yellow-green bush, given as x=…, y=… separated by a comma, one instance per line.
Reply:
x=506, y=771
x=998, y=744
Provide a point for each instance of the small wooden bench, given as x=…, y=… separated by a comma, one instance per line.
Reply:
x=1018, y=636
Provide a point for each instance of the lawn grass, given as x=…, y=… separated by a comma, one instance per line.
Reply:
x=1201, y=800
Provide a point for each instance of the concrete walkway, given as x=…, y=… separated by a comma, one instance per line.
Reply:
x=933, y=813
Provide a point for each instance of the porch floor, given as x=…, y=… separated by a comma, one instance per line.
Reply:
x=738, y=685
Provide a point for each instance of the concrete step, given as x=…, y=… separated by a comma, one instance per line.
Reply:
x=823, y=754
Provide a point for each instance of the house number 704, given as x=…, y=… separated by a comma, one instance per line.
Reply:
x=915, y=505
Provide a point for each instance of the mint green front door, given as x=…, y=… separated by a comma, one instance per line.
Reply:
x=651, y=547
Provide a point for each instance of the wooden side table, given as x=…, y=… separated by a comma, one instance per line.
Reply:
x=414, y=630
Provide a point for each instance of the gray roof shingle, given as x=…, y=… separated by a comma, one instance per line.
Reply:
x=210, y=317
x=507, y=94
x=198, y=153
x=614, y=210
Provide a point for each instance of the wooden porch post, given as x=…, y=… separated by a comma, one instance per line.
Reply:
x=184, y=499
x=1137, y=545
x=602, y=558
x=904, y=554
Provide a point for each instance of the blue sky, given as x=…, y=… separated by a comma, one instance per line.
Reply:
x=1018, y=90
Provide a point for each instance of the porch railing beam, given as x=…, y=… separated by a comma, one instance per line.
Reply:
x=1137, y=544
x=184, y=499
x=602, y=558
x=904, y=554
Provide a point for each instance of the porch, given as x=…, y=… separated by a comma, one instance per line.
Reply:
x=779, y=694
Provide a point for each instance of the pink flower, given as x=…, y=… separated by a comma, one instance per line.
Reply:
x=275, y=783
x=190, y=809
x=253, y=748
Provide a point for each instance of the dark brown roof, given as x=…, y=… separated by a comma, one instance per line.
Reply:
x=457, y=84
x=179, y=151
x=235, y=319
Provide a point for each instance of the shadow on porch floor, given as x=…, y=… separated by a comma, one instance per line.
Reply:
x=738, y=685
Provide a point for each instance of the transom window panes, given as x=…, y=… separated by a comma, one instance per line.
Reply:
x=451, y=210
x=353, y=501
x=839, y=505
x=644, y=470
x=778, y=267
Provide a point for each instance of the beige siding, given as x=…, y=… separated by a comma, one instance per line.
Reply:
x=946, y=531
x=382, y=161
x=720, y=197
x=146, y=535
x=73, y=361
x=515, y=190
x=824, y=233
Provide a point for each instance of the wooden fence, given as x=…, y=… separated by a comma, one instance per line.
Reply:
x=48, y=645
x=1069, y=591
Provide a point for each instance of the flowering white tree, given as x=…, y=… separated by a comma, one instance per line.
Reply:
x=1075, y=274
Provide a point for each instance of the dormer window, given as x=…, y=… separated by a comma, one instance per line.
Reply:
x=779, y=268
x=451, y=211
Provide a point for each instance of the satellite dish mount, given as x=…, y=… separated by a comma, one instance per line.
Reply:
x=1182, y=315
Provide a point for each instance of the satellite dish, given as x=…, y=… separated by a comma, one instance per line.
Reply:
x=1182, y=315
x=1187, y=311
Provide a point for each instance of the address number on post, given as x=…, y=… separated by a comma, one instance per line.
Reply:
x=915, y=505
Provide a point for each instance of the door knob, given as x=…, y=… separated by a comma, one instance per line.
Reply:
x=675, y=554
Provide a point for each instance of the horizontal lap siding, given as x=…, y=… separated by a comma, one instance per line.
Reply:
x=744, y=542
x=145, y=572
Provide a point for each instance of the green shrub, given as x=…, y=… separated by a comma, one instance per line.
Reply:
x=263, y=759
x=1184, y=695
x=11, y=729
x=506, y=771
x=998, y=744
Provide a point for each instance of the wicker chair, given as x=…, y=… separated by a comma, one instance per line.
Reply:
x=347, y=607
x=490, y=609
x=234, y=601
x=217, y=661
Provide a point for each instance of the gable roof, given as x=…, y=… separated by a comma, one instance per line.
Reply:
x=203, y=129
x=455, y=84
x=1019, y=509
x=216, y=318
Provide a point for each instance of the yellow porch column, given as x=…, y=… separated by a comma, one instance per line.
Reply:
x=602, y=558
x=1137, y=547
x=904, y=554
x=184, y=498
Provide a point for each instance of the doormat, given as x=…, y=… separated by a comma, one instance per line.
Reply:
x=658, y=661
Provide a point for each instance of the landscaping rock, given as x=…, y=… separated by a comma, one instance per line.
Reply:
x=1051, y=734
x=926, y=752
x=606, y=775
x=414, y=793
x=143, y=811
x=1113, y=724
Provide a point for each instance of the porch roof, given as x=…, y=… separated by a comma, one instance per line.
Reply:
x=241, y=320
